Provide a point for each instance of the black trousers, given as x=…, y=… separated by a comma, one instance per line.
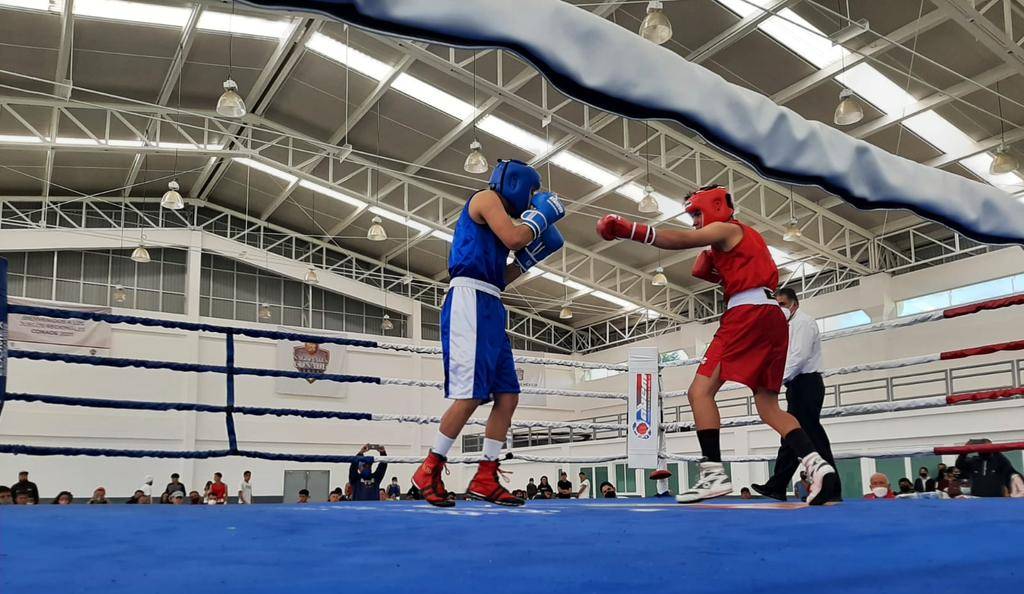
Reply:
x=804, y=396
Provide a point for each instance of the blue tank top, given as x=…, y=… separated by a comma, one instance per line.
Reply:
x=477, y=252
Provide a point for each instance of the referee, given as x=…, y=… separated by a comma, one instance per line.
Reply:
x=805, y=393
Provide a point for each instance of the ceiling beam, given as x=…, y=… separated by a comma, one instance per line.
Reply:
x=998, y=41
x=738, y=31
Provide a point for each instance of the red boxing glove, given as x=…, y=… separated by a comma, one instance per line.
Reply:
x=704, y=268
x=615, y=227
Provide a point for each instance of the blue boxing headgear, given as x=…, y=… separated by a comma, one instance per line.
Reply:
x=516, y=182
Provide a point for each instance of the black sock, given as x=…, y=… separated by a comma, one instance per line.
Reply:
x=798, y=441
x=710, y=444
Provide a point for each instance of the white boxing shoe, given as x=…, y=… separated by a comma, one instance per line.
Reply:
x=713, y=482
x=822, y=476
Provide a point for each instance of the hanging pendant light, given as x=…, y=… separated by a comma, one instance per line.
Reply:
x=376, y=231
x=386, y=324
x=172, y=198
x=793, y=231
x=566, y=311
x=659, y=280
x=140, y=254
x=231, y=104
x=119, y=296
x=1003, y=162
x=656, y=27
x=476, y=162
x=849, y=110
x=311, y=277
x=264, y=312
x=649, y=204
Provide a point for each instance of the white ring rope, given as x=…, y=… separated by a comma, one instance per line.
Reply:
x=424, y=420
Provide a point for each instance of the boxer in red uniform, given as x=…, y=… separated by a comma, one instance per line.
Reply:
x=752, y=339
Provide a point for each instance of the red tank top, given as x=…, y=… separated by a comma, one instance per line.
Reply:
x=746, y=266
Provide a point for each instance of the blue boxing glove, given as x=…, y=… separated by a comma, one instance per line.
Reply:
x=547, y=210
x=549, y=242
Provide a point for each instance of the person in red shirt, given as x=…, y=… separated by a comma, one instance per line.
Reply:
x=880, y=489
x=752, y=339
x=219, y=489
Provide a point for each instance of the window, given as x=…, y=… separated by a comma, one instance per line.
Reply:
x=849, y=319
x=992, y=289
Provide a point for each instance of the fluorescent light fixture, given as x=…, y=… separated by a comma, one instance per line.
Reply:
x=387, y=214
x=332, y=193
x=18, y=139
x=513, y=135
x=616, y=300
x=575, y=286
x=40, y=5
x=442, y=235
x=135, y=12
x=225, y=22
x=273, y=171
x=575, y=164
x=432, y=96
x=77, y=141
x=348, y=56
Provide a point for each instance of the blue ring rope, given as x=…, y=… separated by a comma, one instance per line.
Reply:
x=50, y=312
x=201, y=454
x=229, y=419
x=188, y=407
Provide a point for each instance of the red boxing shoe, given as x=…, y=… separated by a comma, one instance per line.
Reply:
x=486, y=487
x=428, y=480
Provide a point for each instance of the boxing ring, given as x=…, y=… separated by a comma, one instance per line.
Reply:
x=574, y=545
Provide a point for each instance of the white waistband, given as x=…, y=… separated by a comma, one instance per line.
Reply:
x=472, y=283
x=755, y=296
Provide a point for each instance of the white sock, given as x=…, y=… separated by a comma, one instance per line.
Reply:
x=492, y=448
x=442, y=443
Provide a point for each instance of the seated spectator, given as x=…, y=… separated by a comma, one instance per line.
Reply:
x=940, y=470
x=544, y=490
x=608, y=490
x=303, y=496
x=802, y=488
x=879, y=484
x=23, y=498
x=394, y=489
x=382, y=495
x=364, y=479
x=147, y=488
x=173, y=486
x=905, y=486
x=165, y=498
x=336, y=495
x=206, y=490
x=195, y=498
x=923, y=484
x=177, y=498
x=564, y=486
x=348, y=492
x=99, y=496
x=990, y=473
x=219, y=489
x=519, y=493
x=25, y=486
x=63, y=498
x=136, y=496
x=745, y=493
x=531, y=489
x=5, y=496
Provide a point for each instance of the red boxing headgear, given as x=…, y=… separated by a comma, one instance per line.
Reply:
x=713, y=202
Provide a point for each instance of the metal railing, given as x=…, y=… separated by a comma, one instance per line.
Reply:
x=923, y=384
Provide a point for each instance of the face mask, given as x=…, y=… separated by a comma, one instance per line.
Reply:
x=880, y=491
x=609, y=495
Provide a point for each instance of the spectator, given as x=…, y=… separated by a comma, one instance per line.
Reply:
x=165, y=498
x=564, y=486
x=23, y=498
x=219, y=489
x=940, y=470
x=382, y=495
x=173, y=486
x=905, y=487
x=63, y=498
x=879, y=484
x=147, y=489
x=25, y=486
x=303, y=496
x=347, y=494
x=364, y=479
x=414, y=493
x=608, y=490
x=989, y=472
x=245, y=488
x=206, y=490
x=394, y=489
x=584, y=492
x=137, y=497
x=5, y=496
x=922, y=483
x=177, y=498
x=745, y=493
x=99, y=496
x=195, y=498
x=335, y=495
x=531, y=489
x=544, y=490
x=802, y=488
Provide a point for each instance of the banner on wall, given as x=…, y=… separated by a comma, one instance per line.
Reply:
x=531, y=376
x=644, y=420
x=310, y=357
x=40, y=333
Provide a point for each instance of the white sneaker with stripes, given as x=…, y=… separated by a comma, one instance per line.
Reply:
x=713, y=482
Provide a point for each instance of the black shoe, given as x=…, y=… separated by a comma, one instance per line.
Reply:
x=764, y=491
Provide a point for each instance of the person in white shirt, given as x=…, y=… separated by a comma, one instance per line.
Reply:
x=584, y=492
x=805, y=393
x=245, y=488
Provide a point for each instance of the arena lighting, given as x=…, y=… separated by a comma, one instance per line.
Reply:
x=566, y=311
x=140, y=254
x=386, y=324
x=656, y=27
x=311, y=277
x=659, y=280
x=376, y=231
x=849, y=110
x=231, y=104
x=648, y=204
x=476, y=162
x=172, y=198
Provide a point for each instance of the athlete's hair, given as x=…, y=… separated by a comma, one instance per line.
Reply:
x=788, y=293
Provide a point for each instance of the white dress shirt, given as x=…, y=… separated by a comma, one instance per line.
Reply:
x=804, y=354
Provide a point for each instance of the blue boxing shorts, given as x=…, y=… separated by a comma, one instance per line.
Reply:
x=477, y=354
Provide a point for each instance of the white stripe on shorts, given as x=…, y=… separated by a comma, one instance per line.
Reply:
x=461, y=342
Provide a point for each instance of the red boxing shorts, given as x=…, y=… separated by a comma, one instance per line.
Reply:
x=750, y=346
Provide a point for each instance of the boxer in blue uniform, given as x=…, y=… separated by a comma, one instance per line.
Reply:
x=511, y=215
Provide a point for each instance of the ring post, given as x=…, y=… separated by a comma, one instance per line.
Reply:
x=230, y=375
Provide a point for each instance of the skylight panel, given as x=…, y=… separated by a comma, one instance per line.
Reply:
x=387, y=214
x=513, y=135
x=17, y=138
x=225, y=22
x=940, y=133
x=332, y=193
x=433, y=96
x=333, y=49
x=40, y=5
x=792, y=31
x=135, y=12
x=583, y=168
x=615, y=300
x=979, y=164
x=272, y=171
x=575, y=286
x=876, y=88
